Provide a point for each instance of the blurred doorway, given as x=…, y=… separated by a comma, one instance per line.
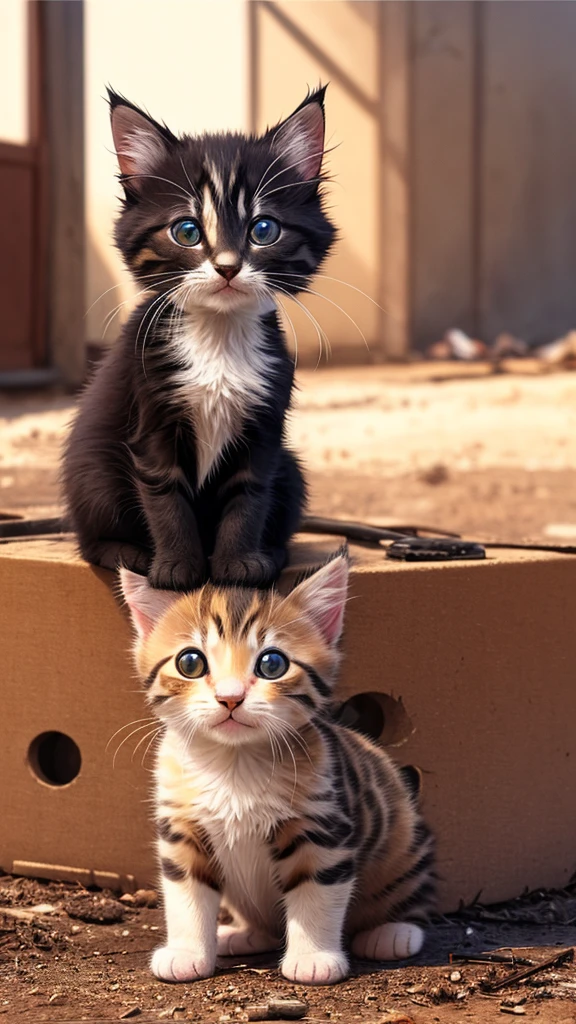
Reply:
x=22, y=193
x=42, y=232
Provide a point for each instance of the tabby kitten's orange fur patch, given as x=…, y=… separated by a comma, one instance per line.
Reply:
x=305, y=829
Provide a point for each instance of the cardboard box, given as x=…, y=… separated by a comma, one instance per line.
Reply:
x=473, y=665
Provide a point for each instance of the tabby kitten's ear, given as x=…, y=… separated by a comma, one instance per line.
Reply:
x=323, y=596
x=300, y=138
x=146, y=605
x=139, y=141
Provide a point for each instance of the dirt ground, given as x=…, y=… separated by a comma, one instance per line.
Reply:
x=492, y=455
x=488, y=455
x=67, y=954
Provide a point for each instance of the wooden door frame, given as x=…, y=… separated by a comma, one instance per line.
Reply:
x=55, y=151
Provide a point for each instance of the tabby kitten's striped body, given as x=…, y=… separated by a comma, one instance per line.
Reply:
x=305, y=829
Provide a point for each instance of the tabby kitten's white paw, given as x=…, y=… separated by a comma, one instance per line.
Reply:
x=320, y=968
x=171, y=963
x=392, y=941
x=237, y=941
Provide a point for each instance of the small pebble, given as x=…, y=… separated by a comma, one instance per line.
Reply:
x=58, y=999
x=456, y=976
x=75, y=929
x=125, y=933
x=127, y=898
x=146, y=898
x=134, y=1011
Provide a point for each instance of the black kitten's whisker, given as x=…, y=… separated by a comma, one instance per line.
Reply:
x=291, y=184
x=338, y=280
x=132, y=298
x=193, y=187
x=321, y=152
x=155, y=318
x=319, y=295
x=294, y=335
x=321, y=333
x=167, y=180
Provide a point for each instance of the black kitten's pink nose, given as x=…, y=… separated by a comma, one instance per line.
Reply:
x=231, y=704
x=227, y=271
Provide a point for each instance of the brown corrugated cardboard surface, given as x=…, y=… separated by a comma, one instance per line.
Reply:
x=482, y=655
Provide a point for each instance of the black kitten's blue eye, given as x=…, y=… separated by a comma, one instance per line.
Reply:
x=272, y=665
x=191, y=663
x=265, y=231
x=186, y=232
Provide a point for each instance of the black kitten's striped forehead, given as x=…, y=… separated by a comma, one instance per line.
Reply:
x=225, y=182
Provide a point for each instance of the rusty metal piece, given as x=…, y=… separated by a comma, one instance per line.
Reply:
x=564, y=957
x=489, y=958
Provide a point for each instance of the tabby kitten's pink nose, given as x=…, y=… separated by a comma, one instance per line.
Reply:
x=227, y=271
x=230, y=693
x=231, y=704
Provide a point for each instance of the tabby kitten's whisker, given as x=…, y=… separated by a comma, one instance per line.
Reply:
x=123, y=742
x=146, y=721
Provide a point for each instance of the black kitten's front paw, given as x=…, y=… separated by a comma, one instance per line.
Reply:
x=167, y=574
x=255, y=570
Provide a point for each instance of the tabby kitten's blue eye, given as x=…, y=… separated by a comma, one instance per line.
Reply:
x=191, y=663
x=265, y=231
x=186, y=232
x=272, y=665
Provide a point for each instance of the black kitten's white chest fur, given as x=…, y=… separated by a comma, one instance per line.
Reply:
x=177, y=465
x=225, y=375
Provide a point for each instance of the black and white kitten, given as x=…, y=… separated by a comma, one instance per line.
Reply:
x=177, y=466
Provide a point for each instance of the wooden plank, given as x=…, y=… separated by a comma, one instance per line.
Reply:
x=443, y=169
x=528, y=198
x=14, y=153
x=394, y=201
x=62, y=45
x=16, y=281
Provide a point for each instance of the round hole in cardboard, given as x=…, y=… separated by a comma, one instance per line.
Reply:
x=54, y=758
x=378, y=716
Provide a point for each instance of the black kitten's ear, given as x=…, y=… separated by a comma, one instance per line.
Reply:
x=139, y=141
x=300, y=138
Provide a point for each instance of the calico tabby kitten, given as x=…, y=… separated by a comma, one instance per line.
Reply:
x=306, y=829
x=177, y=465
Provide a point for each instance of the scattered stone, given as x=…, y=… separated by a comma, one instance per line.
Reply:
x=516, y=1010
x=58, y=999
x=134, y=1011
x=94, y=909
x=146, y=898
x=435, y=474
x=456, y=976
x=275, y=1009
x=127, y=898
